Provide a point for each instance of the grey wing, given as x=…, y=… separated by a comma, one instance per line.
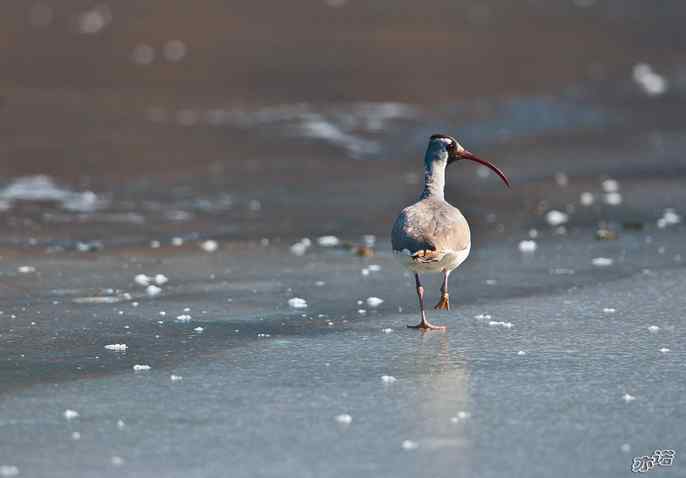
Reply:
x=408, y=233
x=451, y=230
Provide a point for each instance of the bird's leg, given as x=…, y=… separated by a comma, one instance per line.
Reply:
x=424, y=325
x=444, y=303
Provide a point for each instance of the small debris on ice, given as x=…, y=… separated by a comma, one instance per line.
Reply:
x=527, y=246
x=507, y=325
x=365, y=271
x=561, y=179
x=388, y=379
x=374, y=301
x=628, y=398
x=320, y=283
x=482, y=317
x=8, y=470
x=209, y=246
x=610, y=186
x=613, y=199
x=328, y=241
x=120, y=424
x=116, y=347
x=141, y=368
x=361, y=311
x=664, y=350
x=117, y=461
x=609, y=310
x=651, y=82
x=387, y=330
x=75, y=436
x=26, y=269
x=142, y=280
x=71, y=414
x=344, y=419
x=625, y=448
x=300, y=247
x=521, y=352
x=177, y=241
x=586, y=199
x=198, y=329
x=653, y=328
x=161, y=279
x=555, y=218
x=602, y=261
x=374, y=267
x=175, y=378
x=409, y=445
x=183, y=318
x=533, y=233
x=153, y=290
x=297, y=303
x=669, y=218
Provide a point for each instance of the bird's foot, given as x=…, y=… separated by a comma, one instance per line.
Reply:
x=444, y=303
x=426, y=326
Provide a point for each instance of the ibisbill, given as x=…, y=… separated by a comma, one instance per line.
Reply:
x=432, y=235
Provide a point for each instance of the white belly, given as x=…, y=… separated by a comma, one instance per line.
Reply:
x=449, y=261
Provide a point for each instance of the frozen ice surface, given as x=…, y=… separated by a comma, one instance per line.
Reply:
x=9, y=470
x=297, y=303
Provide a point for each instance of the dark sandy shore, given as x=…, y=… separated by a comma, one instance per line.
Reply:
x=565, y=361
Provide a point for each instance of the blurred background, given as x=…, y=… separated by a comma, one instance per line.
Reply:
x=130, y=121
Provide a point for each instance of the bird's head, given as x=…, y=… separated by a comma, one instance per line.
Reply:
x=446, y=149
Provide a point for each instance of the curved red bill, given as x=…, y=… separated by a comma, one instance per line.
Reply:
x=467, y=155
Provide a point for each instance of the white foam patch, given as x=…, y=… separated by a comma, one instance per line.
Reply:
x=297, y=303
x=43, y=188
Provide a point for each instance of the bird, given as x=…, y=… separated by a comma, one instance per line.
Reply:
x=432, y=235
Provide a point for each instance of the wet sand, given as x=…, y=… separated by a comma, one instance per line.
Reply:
x=267, y=132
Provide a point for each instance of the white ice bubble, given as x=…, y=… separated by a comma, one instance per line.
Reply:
x=117, y=461
x=374, y=267
x=26, y=269
x=300, y=247
x=387, y=330
x=496, y=323
x=586, y=199
x=175, y=378
x=75, y=436
x=141, y=367
x=602, y=261
x=365, y=271
x=174, y=50
x=153, y=290
x=94, y=20
x=482, y=317
x=555, y=218
x=209, y=246
x=374, y=301
x=650, y=81
x=184, y=318
x=344, y=419
x=161, y=279
x=609, y=310
x=142, y=279
x=143, y=54
x=297, y=303
x=521, y=352
x=117, y=347
x=198, y=329
x=388, y=379
x=628, y=398
x=664, y=350
x=625, y=448
x=610, y=185
x=120, y=424
x=71, y=414
x=527, y=246
x=409, y=445
x=653, y=328
x=361, y=311
x=561, y=179
x=613, y=199
x=320, y=283
x=328, y=241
